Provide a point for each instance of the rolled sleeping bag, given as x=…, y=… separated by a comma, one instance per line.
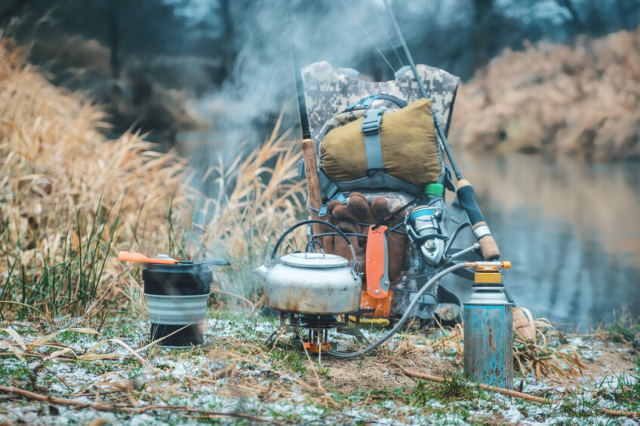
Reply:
x=467, y=199
x=406, y=147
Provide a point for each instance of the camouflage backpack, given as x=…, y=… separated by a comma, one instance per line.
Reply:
x=328, y=90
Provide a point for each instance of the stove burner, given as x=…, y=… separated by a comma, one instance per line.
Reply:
x=319, y=321
x=318, y=326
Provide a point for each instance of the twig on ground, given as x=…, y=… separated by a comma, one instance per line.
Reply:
x=226, y=371
x=126, y=409
x=516, y=394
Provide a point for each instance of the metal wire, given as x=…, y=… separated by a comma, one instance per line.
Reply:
x=381, y=22
x=407, y=53
x=342, y=219
x=366, y=33
x=406, y=280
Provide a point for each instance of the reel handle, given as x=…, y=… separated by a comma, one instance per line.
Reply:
x=467, y=199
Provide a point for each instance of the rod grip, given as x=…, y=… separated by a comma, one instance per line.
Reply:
x=467, y=200
x=313, y=181
x=489, y=248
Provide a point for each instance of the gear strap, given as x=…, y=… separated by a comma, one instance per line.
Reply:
x=393, y=215
x=373, y=146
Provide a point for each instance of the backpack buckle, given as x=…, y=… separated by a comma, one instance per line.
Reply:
x=372, y=121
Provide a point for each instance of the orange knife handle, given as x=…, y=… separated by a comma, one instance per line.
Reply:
x=376, y=267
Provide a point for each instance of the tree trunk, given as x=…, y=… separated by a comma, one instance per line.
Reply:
x=481, y=32
x=114, y=39
x=10, y=9
x=228, y=37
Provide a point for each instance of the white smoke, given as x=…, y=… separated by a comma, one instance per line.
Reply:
x=262, y=84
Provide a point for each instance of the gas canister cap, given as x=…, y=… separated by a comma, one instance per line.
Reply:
x=314, y=260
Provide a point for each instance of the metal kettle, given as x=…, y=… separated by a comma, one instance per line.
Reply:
x=312, y=283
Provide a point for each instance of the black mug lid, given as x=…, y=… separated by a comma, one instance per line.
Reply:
x=184, y=278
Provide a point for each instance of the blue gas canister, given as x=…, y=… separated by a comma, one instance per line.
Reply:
x=488, y=329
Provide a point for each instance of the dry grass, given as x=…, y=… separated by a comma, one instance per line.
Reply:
x=538, y=357
x=70, y=199
x=541, y=356
x=580, y=101
x=258, y=198
x=60, y=179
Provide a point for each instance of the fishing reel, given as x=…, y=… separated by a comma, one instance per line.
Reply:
x=424, y=230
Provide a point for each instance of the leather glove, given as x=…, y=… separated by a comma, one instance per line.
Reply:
x=351, y=218
x=347, y=219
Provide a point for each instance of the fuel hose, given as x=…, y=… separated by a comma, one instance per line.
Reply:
x=404, y=318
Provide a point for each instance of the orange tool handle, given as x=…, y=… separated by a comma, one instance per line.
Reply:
x=141, y=258
x=377, y=263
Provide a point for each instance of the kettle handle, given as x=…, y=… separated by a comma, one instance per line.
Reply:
x=309, y=221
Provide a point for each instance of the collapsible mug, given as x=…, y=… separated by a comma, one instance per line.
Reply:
x=177, y=301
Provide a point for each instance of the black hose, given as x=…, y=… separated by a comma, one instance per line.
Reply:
x=453, y=236
x=402, y=320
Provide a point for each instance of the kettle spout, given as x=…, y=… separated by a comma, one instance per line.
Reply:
x=262, y=271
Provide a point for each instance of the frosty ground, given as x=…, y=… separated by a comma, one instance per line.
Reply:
x=235, y=373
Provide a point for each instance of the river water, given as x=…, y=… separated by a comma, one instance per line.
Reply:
x=571, y=230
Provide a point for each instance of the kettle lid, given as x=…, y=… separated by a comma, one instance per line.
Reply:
x=314, y=260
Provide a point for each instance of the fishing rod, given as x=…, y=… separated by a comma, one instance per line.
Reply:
x=308, y=147
x=466, y=196
x=297, y=71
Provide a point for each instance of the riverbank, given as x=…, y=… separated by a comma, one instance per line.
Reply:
x=580, y=101
x=234, y=377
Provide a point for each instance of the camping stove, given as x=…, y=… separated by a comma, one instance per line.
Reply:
x=318, y=328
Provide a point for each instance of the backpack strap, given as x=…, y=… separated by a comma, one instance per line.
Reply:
x=378, y=181
x=328, y=188
x=365, y=103
x=371, y=129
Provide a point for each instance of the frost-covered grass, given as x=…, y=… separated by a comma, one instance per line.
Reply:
x=624, y=329
x=234, y=372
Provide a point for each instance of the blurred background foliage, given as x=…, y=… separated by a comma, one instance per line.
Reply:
x=167, y=66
